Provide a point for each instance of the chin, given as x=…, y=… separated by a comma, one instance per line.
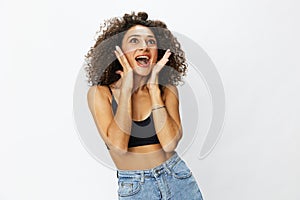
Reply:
x=142, y=71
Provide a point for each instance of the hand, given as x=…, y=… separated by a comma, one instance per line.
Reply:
x=127, y=73
x=153, y=80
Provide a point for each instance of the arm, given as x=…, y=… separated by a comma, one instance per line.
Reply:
x=167, y=119
x=114, y=130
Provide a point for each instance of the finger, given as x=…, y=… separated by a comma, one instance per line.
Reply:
x=163, y=60
x=122, y=58
x=118, y=55
x=166, y=56
x=167, y=53
x=119, y=50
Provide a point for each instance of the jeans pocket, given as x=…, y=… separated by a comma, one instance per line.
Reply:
x=128, y=188
x=181, y=171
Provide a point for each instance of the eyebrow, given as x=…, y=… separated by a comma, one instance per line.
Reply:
x=135, y=35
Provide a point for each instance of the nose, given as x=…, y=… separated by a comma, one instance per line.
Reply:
x=143, y=45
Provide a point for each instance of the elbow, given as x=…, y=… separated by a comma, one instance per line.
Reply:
x=120, y=151
x=169, y=148
x=172, y=145
x=116, y=145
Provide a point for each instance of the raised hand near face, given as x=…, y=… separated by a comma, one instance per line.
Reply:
x=127, y=73
x=153, y=80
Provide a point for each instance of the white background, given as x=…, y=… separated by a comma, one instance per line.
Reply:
x=254, y=45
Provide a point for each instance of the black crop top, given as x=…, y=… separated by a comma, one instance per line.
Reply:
x=142, y=132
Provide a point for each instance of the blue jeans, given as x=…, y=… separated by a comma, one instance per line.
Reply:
x=172, y=180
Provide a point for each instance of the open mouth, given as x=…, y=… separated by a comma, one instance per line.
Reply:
x=143, y=61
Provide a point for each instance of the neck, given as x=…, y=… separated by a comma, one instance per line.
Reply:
x=139, y=83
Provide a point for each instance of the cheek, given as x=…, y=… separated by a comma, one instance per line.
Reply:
x=130, y=58
x=154, y=54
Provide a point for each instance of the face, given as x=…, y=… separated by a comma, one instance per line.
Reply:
x=140, y=48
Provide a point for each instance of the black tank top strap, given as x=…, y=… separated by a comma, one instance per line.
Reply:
x=110, y=90
x=113, y=101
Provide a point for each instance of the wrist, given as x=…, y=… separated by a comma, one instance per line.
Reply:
x=154, y=90
x=156, y=99
x=157, y=107
x=126, y=91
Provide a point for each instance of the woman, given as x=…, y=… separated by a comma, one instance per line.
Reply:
x=133, y=70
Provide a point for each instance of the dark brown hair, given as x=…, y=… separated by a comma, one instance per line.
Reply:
x=101, y=62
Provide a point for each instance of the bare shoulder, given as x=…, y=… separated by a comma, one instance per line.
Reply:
x=97, y=94
x=98, y=91
x=170, y=91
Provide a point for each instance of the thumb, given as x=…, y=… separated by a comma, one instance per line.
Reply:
x=120, y=73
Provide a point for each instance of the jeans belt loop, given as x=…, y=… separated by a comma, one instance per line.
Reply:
x=142, y=176
x=167, y=168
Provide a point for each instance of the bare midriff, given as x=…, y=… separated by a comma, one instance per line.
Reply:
x=141, y=157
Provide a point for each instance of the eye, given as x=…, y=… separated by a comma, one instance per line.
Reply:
x=133, y=40
x=151, y=41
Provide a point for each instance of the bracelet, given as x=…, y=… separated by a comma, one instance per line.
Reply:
x=159, y=107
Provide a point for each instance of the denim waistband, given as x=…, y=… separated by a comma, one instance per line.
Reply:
x=154, y=172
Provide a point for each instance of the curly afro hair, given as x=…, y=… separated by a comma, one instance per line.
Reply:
x=101, y=62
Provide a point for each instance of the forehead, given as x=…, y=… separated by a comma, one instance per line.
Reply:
x=139, y=30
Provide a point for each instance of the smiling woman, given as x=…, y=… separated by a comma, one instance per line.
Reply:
x=133, y=70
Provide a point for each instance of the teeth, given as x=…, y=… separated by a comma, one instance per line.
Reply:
x=139, y=57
